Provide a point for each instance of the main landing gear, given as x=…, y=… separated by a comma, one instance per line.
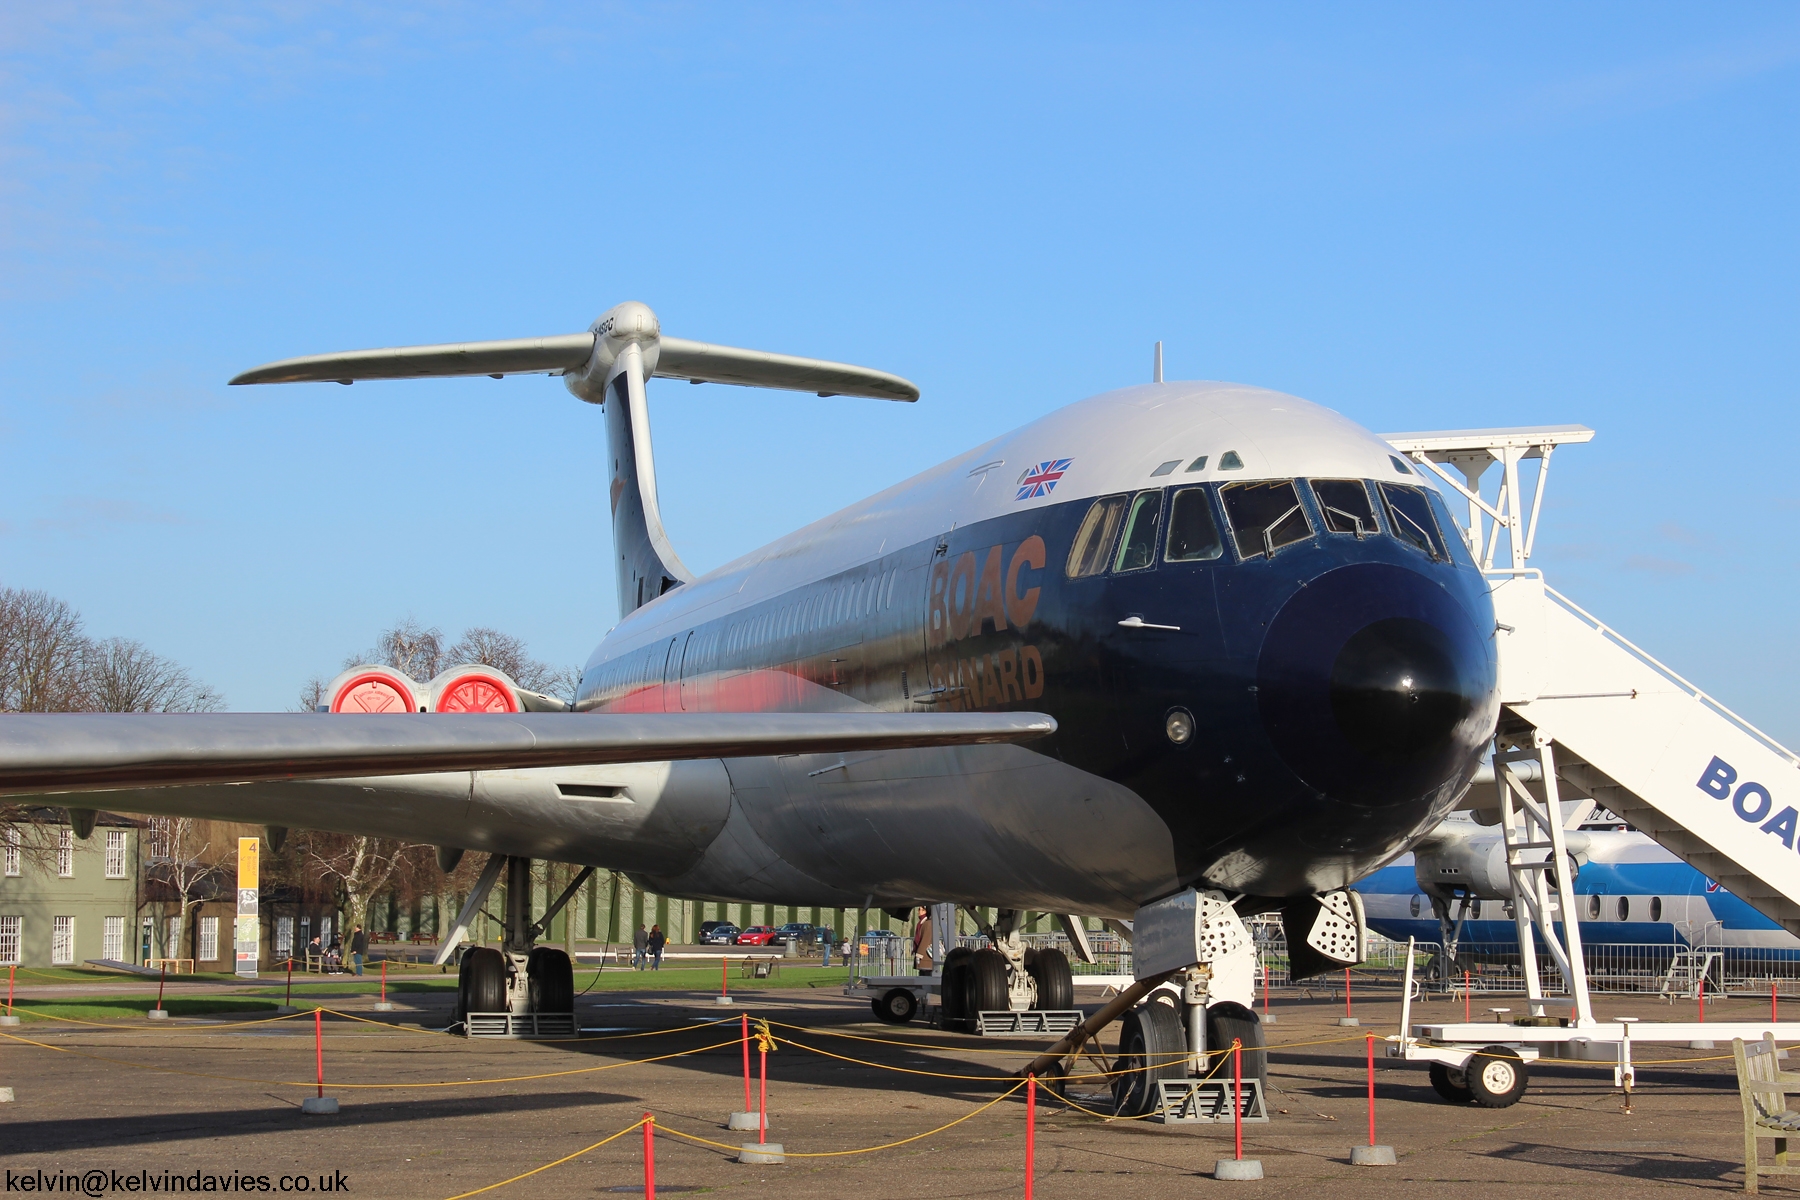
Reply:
x=521, y=989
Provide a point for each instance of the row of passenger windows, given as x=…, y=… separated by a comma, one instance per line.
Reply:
x=1263, y=517
x=1596, y=906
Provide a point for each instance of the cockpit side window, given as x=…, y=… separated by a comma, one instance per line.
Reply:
x=1137, y=549
x=1410, y=515
x=1345, y=505
x=1264, y=516
x=1459, y=549
x=1193, y=533
x=1088, y=554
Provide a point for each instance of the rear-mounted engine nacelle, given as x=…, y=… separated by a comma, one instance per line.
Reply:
x=466, y=689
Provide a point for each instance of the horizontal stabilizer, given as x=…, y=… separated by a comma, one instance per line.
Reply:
x=571, y=354
x=565, y=352
x=81, y=752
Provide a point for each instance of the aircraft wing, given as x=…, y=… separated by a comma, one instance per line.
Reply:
x=84, y=752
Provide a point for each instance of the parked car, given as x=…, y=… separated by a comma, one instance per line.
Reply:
x=802, y=932
x=707, y=927
x=722, y=933
x=756, y=935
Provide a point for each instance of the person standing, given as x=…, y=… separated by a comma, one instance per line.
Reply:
x=639, y=941
x=654, y=945
x=825, y=945
x=359, y=948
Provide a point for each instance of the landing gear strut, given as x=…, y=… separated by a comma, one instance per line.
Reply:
x=513, y=987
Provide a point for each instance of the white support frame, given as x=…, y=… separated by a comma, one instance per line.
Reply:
x=1531, y=827
x=1472, y=452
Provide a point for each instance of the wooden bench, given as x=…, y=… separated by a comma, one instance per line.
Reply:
x=1764, y=1087
x=175, y=966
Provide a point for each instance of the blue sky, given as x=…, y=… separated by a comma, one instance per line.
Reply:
x=1426, y=217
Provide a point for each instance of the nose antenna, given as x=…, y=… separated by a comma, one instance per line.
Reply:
x=1156, y=370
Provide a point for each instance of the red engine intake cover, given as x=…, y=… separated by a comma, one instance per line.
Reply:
x=477, y=694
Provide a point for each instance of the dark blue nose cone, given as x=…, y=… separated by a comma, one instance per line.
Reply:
x=1377, y=687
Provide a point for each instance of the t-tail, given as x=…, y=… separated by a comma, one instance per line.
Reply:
x=608, y=365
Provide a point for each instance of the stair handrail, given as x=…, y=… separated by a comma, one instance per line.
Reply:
x=1663, y=669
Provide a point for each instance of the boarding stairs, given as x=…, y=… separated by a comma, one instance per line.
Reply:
x=1589, y=716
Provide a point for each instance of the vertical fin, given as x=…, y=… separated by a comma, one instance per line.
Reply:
x=646, y=562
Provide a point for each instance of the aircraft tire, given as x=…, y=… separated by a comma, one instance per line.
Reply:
x=1451, y=1083
x=1055, y=982
x=1227, y=1020
x=481, y=982
x=1152, y=1047
x=550, y=978
x=987, y=990
x=1497, y=1077
x=896, y=1006
x=954, y=985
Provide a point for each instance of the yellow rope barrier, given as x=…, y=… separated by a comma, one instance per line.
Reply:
x=559, y=1162
x=865, y=1149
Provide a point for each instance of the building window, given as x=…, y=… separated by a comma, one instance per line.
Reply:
x=9, y=939
x=12, y=852
x=284, y=936
x=172, y=938
x=62, y=940
x=115, y=854
x=159, y=838
x=209, y=939
x=114, y=946
x=65, y=854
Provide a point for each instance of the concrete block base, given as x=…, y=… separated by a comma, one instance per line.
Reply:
x=1372, y=1156
x=762, y=1152
x=745, y=1121
x=158, y=1014
x=285, y=1009
x=1238, y=1168
x=9, y=1020
x=385, y=1006
x=1270, y=1019
x=6, y=1096
x=319, y=1106
x=723, y=1000
x=1702, y=1045
x=1349, y=1022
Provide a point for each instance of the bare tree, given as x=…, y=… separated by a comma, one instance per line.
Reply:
x=124, y=676
x=312, y=695
x=42, y=653
x=505, y=652
x=359, y=868
x=181, y=860
x=409, y=648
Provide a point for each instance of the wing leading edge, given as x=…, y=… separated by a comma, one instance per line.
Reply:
x=82, y=752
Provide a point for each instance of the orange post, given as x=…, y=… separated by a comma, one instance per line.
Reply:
x=1465, y=997
x=319, y=1045
x=762, y=1103
x=1030, y=1129
x=1371, y=1043
x=747, y=1062
x=161, y=978
x=649, y=1157
x=1265, y=991
x=10, y=971
x=724, y=978
x=384, y=981
x=1701, y=993
x=1347, y=1011
x=290, y=982
x=1237, y=1095
x=1773, y=1007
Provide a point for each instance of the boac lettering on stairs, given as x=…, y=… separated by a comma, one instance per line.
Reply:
x=1751, y=801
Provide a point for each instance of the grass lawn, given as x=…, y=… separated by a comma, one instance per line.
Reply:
x=28, y=975
x=102, y=1008
x=612, y=979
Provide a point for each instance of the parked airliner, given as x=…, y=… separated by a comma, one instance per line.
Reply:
x=1177, y=636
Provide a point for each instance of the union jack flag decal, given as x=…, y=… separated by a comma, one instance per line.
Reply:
x=1041, y=479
